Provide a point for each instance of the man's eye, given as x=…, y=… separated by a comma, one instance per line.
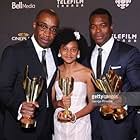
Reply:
x=92, y=26
x=43, y=26
x=53, y=29
x=103, y=25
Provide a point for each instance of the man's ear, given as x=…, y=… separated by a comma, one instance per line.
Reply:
x=34, y=25
x=112, y=27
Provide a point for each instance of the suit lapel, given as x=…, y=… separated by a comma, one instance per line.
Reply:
x=113, y=58
x=55, y=57
x=56, y=64
x=34, y=61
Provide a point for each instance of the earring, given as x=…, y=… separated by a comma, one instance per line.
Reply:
x=59, y=55
x=78, y=55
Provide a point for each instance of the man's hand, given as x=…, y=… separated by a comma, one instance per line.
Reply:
x=28, y=109
x=117, y=102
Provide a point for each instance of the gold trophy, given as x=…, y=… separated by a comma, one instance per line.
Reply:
x=32, y=89
x=110, y=84
x=66, y=86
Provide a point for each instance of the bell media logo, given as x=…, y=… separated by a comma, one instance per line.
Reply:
x=20, y=36
x=126, y=37
x=123, y=3
x=70, y=3
x=21, y=5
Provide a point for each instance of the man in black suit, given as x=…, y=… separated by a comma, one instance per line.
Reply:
x=125, y=60
x=12, y=95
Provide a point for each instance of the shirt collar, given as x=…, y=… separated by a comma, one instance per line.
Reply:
x=38, y=48
x=107, y=46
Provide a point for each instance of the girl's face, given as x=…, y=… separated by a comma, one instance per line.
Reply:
x=69, y=52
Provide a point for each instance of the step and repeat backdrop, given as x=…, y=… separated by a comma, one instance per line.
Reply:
x=17, y=16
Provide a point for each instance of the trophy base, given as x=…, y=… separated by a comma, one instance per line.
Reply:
x=120, y=114
x=106, y=110
x=67, y=113
x=28, y=123
x=117, y=114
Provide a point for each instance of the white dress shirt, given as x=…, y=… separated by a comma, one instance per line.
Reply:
x=105, y=53
x=50, y=63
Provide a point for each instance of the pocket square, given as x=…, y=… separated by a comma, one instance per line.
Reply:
x=115, y=67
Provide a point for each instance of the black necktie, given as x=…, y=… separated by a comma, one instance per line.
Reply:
x=46, y=74
x=99, y=63
x=44, y=62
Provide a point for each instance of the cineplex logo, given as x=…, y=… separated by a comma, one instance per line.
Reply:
x=20, y=36
x=21, y=5
x=70, y=3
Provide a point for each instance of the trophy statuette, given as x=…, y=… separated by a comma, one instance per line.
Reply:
x=32, y=88
x=110, y=84
x=66, y=86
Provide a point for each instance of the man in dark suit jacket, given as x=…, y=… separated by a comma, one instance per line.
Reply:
x=12, y=66
x=125, y=60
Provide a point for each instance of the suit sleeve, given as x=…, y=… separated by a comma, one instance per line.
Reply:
x=133, y=69
x=132, y=79
x=10, y=85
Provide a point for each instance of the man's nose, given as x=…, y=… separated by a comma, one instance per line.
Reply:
x=47, y=32
x=98, y=29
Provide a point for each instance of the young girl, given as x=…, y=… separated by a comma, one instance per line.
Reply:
x=76, y=125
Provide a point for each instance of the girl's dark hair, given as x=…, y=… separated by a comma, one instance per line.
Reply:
x=66, y=35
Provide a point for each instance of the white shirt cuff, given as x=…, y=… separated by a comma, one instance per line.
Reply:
x=19, y=114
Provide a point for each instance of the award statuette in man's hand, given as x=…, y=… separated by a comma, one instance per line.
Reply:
x=32, y=88
x=66, y=86
x=111, y=84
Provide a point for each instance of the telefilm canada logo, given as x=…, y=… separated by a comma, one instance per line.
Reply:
x=126, y=37
x=20, y=36
x=70, y=3
x=21, y=5
x=123, y=3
